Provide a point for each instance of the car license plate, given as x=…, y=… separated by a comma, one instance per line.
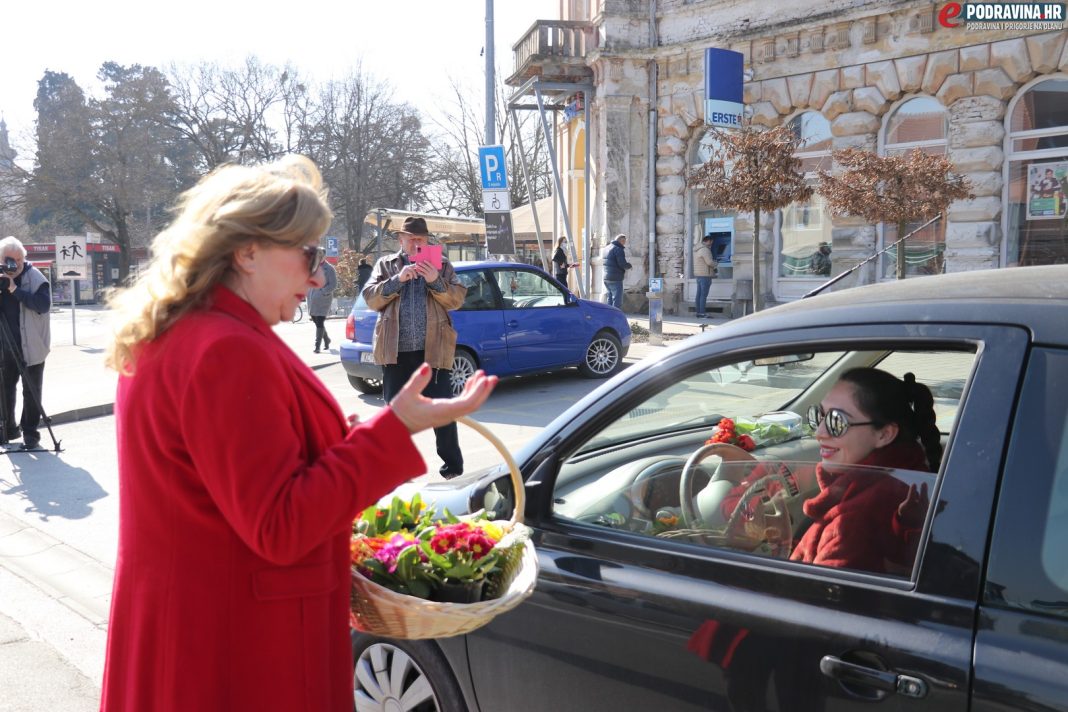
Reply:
x=367, y=357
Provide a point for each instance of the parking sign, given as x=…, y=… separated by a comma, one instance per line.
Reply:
x=492, y=168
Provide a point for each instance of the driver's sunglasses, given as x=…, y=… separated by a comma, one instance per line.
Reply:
x=836, y=422
x=315, y=256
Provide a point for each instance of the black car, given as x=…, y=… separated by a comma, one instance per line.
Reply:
x=644, y=603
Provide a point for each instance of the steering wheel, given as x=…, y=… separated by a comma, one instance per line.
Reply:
x=774, y=528
x=638, y=497
x=690, y=515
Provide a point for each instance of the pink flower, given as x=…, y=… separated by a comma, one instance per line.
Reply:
x=388, y=554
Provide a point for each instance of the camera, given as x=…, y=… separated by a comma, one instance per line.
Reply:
x=9, y=266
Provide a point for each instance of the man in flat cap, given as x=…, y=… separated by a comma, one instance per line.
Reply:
x=413, y=299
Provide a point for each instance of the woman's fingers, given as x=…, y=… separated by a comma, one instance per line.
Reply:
x=419, y=413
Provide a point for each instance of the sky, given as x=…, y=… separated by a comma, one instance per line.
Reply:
x=417, y=46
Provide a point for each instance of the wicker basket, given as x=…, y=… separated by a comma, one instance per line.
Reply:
x=378, y=610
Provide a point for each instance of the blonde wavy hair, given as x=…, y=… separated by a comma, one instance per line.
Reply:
x=283, y=203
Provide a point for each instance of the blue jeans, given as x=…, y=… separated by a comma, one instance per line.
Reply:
x=614, y=293
x=703, y=285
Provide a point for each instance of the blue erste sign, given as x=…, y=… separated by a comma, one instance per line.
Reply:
x=723, y=87
x=492, y=168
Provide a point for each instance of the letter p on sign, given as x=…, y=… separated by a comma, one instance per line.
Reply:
x=492, y=167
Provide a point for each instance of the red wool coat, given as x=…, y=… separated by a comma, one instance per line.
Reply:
x=238, y=483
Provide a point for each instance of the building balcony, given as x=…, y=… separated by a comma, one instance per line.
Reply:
x=553, y=51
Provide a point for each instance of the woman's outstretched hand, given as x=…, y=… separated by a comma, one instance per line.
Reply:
x=419, y=413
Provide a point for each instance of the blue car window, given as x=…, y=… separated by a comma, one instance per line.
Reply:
x=480, y=294
x=524, y=289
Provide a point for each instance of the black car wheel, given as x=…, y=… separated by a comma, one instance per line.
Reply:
x=408, y=675
x=366, y=385
x=463, y=367
x=602, y=357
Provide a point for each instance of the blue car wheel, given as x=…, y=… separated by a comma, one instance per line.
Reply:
x=463, y=367
x=602, y=357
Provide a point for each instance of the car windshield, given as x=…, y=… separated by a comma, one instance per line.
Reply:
x=744, y=389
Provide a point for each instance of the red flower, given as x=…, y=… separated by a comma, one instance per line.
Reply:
x=725, y=433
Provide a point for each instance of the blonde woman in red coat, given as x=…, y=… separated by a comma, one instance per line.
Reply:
x=239, y=476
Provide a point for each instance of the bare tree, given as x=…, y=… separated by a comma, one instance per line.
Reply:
x=235, y=114
x=755, y=171
x=456, y=187
x=897, y=189
x=371, y=150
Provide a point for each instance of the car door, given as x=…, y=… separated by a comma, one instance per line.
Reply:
x=1021, y=649
x=626, y=620
x=479, y=321
x=544, y=327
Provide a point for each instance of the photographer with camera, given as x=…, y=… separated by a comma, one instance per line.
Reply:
x=25, y=336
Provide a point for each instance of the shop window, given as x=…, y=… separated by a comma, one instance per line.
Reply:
x=1036, y=228
x=805, y=227
x=918, y=123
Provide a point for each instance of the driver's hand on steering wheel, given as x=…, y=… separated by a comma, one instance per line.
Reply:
x=732, y=453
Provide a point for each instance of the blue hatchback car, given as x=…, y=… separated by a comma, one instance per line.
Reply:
x=516, y=319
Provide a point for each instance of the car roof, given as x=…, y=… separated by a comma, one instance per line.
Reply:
x=1035, y=298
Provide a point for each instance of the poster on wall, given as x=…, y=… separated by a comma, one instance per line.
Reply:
x=1045, y=190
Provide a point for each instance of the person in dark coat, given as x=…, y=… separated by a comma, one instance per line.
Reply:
x=615, y=268
x=363, y=273
x=560, y=263
x=319, y=303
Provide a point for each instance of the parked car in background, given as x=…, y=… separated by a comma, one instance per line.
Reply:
x=646, y=601
x=515, y=320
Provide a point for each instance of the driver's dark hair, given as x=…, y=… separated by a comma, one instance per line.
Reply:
x=886, y=399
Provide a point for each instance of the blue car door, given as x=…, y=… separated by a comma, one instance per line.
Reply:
x=479, y=322
x=543, y=327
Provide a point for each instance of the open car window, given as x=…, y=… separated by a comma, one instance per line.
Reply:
x=651, y=474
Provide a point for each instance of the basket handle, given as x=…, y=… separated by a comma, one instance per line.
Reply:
x=513, y=469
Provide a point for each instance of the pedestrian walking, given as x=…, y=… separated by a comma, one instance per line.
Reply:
x=615, y=268
x=320, y=300
x=704, y=269
x=240, y=475
x=413, y=299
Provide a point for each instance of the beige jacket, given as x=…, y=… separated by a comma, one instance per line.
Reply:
x=440, y=335
x=704, y=265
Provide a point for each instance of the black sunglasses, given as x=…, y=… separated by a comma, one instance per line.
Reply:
x=315, y=256
x=837, y=422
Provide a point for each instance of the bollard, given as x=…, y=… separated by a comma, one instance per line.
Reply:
x=656, y=318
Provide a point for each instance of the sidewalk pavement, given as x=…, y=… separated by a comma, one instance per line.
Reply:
x=45, y=498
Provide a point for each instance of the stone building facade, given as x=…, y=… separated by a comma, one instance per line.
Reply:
x=886, y=77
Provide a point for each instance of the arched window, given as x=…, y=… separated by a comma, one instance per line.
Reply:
x=709, y=219
x=917, y=123
x=1036, y=231
x=805, y=228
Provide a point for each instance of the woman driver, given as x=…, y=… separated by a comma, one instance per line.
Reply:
x=861, y=519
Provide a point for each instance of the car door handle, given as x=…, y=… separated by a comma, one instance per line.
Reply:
x=512, y=324
x=885, y=681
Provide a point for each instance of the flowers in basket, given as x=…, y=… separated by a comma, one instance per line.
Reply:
x=404, y=548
